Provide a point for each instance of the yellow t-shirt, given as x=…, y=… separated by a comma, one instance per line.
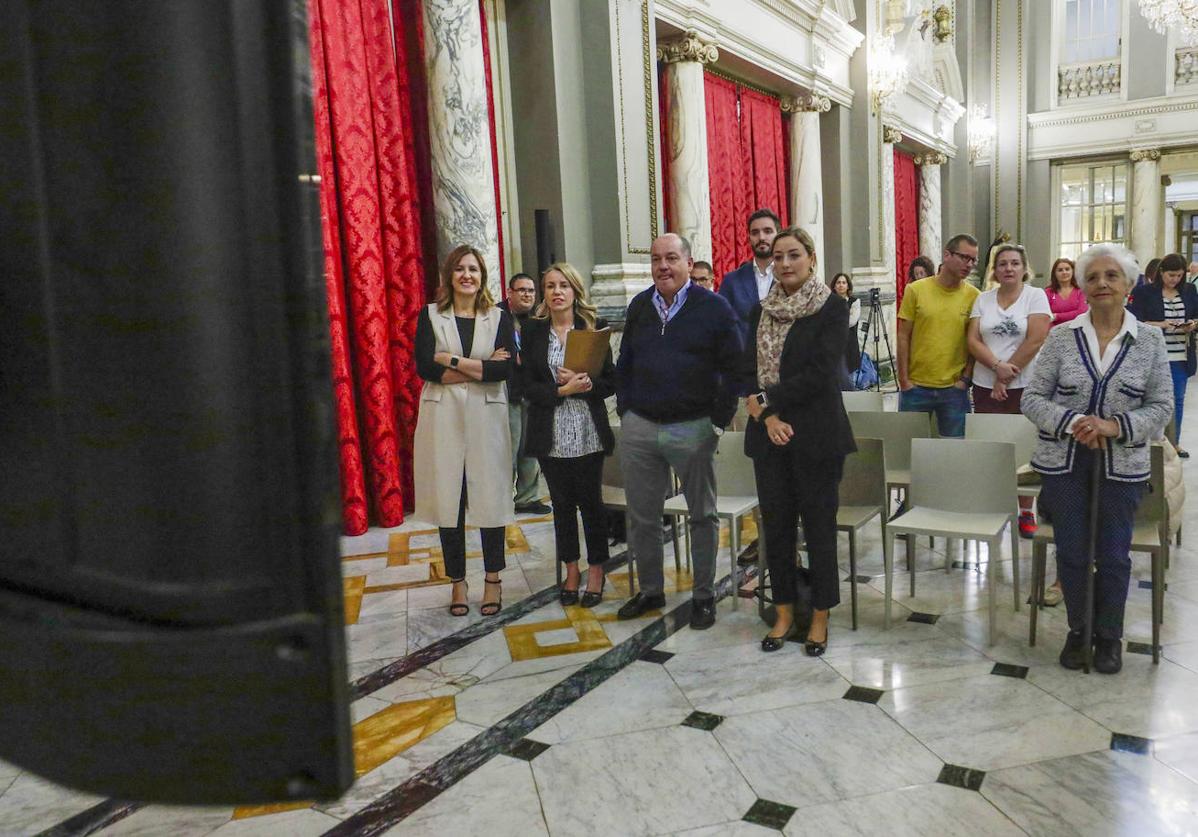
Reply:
x=939, y=318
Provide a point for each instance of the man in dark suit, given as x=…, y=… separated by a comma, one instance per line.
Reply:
x=749, y=283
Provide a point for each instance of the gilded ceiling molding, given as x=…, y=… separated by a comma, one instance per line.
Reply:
x=1142, y=154
x=808, y=103
x=690, y=47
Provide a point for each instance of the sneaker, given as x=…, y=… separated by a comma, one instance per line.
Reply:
x=1027, y=525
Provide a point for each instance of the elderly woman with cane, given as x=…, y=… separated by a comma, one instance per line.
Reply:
x=1101, y=394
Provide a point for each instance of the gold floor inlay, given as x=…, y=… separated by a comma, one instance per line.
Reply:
x=675, y=582
x=355, y=588
x=522, y=639
x=378, y=739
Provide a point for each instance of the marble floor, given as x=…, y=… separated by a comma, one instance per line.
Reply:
x=565, y=721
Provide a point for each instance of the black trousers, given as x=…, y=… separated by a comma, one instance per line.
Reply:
x=789, y=491
x=575, y=485
x=453, y=544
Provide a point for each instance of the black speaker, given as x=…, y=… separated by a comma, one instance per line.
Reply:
x=171, y=623
x=545, y=254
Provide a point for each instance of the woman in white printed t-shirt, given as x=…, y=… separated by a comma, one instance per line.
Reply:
x=1007, y=327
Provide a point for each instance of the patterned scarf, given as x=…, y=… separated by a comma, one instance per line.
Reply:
x=778, y=313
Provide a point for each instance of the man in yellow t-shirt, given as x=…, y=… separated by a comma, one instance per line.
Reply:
x=934, y=365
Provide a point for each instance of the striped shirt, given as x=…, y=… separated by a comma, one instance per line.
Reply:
x=1175, y=343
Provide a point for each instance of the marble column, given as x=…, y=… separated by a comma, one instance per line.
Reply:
x=689, y=190
x=890, y=138
x=806, y=177
x=459, y=132
x=930, y=231
x=1146, y=200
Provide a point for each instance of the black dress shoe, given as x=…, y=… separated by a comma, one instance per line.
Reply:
x=773, y=643
x=1108, y=655
x=640, y=604
x=535, y=507
x=702, y=613
x=567, y=597
x=1073, y=655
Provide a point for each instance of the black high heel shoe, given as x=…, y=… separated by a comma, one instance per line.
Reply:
x=816, y=649
x=773, y=643
x=491, y=608
x=460, y=608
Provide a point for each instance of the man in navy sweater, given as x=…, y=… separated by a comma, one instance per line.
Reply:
x=749, y=283
x=674, y=375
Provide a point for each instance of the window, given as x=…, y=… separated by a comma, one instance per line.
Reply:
x=1092, y=30
x=1093, y=207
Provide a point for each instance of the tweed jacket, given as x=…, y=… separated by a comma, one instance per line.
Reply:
x=1136, y=391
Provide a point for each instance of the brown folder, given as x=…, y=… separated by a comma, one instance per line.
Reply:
x=586, y=350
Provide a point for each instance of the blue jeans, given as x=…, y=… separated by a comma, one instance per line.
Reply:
x=950, y=404
x=1177, y=368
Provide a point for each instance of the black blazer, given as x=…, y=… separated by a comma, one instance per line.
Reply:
x=807, y=395
x=1148, y=304
x=540, y=388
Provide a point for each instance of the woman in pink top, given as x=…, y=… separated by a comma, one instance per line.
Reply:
x=1064, y=297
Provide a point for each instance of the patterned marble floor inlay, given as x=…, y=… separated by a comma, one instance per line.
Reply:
x=566, y=721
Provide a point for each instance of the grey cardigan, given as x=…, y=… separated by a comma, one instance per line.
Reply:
x=1136, y=391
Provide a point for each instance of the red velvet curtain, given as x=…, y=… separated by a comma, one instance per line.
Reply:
x=374, y=258
x=501, y=267
x=763, y=142
x=906, y=218
x=663, y=127
x=729, y=174
x=746, y=165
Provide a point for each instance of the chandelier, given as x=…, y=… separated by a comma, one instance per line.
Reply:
x=1177, y=16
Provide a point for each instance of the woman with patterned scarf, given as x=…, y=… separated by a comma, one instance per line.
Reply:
x=800, y=434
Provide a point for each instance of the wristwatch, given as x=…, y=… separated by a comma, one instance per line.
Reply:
x=762, y=401
x=453, y=362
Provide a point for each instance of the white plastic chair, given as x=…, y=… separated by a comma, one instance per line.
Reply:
x=959, y=489
x=896, y=430
x=862, y=498
x=862, y=401
x=1018, y=430
x=736, y=496
x=615, y=499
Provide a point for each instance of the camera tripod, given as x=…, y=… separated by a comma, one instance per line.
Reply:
x=875, y=321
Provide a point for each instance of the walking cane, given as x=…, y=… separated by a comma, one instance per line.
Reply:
x=1091, y=559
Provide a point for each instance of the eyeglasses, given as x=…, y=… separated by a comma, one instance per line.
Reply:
x=964, y=258
x=524, y=290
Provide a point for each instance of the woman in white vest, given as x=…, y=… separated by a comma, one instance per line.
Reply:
x=465, y=346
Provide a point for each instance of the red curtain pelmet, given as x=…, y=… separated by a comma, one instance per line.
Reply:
x=374, y=258
x=906, y=218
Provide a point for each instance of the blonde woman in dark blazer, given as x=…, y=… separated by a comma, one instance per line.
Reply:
x=568, y=429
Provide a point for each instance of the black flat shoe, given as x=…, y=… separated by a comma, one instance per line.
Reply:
x=1073, y=655
x=641, y=604
x=590, y=599
x=773, y=643
x=1108, y=655
x=816, y=649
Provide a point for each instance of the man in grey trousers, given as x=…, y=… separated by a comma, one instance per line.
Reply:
x=674, y=394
